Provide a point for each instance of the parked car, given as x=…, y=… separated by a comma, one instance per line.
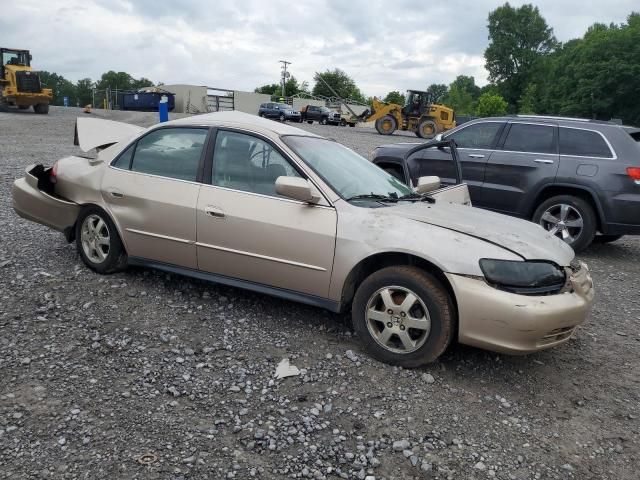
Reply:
x=278, y=210
x=281, y=111
x=574, y=177
x=346, y=118
x=322, y=115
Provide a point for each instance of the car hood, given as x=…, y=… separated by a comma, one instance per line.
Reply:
x=526, y=239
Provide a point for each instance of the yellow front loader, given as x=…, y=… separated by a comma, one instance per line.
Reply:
x=418, y=115
x=19, y=84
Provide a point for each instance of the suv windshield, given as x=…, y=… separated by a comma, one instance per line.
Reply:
x=349, y=174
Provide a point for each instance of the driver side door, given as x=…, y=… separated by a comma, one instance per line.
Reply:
x=245, y=230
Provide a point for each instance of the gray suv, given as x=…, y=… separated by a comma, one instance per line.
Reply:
x=576, y=178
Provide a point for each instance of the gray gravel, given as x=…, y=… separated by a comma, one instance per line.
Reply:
x=147, y=375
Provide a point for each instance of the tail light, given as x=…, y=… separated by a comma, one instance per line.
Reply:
x=634, y=173
x=53, y=175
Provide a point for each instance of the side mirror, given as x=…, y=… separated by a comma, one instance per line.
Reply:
x=438, y=137
x=297, y=188
x=427, y=184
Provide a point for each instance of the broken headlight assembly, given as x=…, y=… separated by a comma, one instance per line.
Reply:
x=527, y=278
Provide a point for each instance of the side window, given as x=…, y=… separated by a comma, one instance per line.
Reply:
x=479, y=135
x=170, y=152
x=583, y=143
x=124, y=160
x=524, y=137
x=247, y=163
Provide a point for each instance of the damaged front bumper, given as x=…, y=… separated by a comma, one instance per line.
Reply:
x=519, y=324
x=32, y=201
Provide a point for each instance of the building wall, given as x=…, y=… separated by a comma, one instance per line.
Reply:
x=249, y=102
x=189, y=98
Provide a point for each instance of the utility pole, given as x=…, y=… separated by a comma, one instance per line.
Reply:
x=285, y=75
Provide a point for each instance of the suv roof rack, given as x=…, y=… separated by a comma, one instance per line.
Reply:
x=568, y=119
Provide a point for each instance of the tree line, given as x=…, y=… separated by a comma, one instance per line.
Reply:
x=530, y=72
x=81, y=93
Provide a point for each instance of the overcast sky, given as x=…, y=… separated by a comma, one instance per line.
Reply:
x=383, y=45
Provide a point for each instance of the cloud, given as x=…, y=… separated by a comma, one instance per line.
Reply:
x=237, y=44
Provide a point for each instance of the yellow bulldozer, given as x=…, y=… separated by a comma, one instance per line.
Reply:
x=20, y=85
x=419, y=115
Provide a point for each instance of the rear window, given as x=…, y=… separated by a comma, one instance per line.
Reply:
x=524, y=137
x=583, y=143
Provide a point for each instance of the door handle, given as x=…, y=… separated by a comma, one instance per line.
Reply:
x=116, y=194
x=213, y=211
x=476, y=155
x=543, y=160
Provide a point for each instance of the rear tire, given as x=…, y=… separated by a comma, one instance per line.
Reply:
x=386, y=125
x=98, y=242
x=352, y=124
x=309, y=122
x=388, y=336
x=41, y=108
x=427, y=129
x=568, y=217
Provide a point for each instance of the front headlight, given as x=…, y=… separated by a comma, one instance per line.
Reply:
x=529, y=277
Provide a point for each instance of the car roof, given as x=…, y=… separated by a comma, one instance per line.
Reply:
x=241, y=120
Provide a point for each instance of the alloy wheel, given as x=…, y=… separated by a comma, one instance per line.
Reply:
x=95, y=238
x=563, y=221
x=398, y=319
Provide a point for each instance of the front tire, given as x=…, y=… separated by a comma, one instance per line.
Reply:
x=309, y=122
x=343, y=122
x=41, y=108
x=323, y=121
x=98, y=242
x=568, y=217
x=403, y=316
x=386, y=125
x=282, y=117
x=427, y=129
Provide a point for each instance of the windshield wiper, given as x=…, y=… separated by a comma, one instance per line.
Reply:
x=417, y=196
x=374, y=196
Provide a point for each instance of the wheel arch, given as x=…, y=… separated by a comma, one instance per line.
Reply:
x=585, y=193
x=70, y=232
x=380, y=260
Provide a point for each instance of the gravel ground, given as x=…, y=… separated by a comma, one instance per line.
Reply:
x=147, y=375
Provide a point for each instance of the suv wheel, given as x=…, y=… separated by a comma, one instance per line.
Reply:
x=282, y=117
x=98, y=242
x=323, y=121
x=569, y=218
x=403, y=316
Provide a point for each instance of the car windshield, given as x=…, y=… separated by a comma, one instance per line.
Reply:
x=349, y=174
x=283, y=106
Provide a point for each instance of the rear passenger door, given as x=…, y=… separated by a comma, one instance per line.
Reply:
x=526, y=160
x=152, y=191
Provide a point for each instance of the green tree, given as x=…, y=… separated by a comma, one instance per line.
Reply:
x=61, y=87
x=519, y=38
x=528, y=100
x=84, y=89
x=395, y=97
x=121, y=81
x=491, y=105
x=597, y=75
x=438, y=91
x=292, y=87
x=462, y=95
x=342, y=83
